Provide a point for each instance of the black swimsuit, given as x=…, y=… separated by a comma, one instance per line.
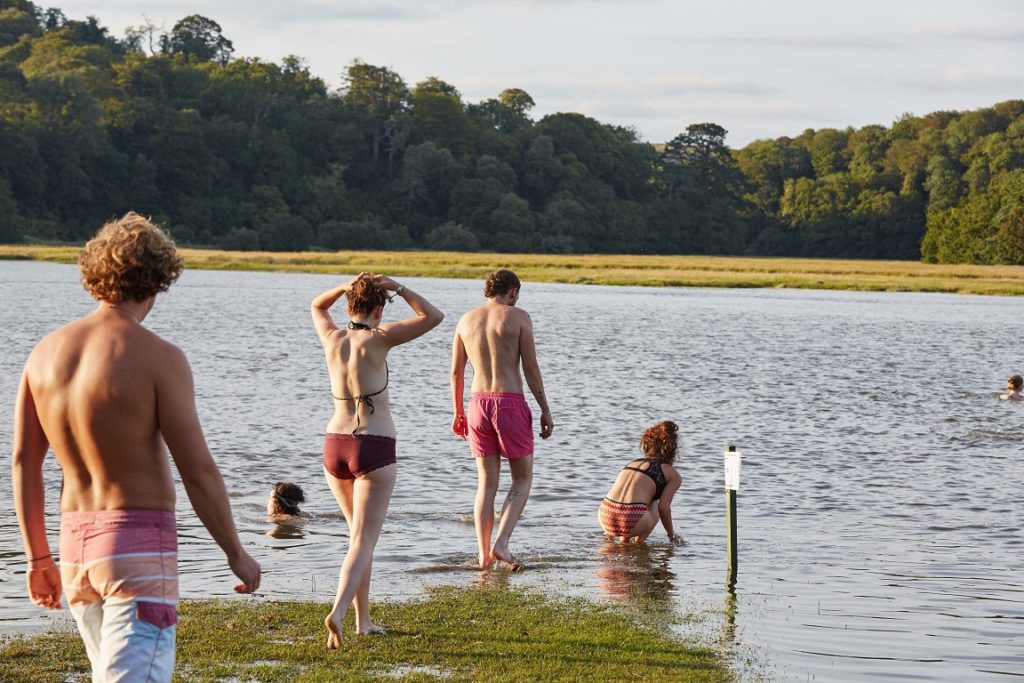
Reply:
x=654, y=472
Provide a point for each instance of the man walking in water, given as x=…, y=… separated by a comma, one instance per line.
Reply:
x=495, y=337
x=106, y=394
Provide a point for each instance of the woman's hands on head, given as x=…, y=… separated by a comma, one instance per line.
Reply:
x=351, y=283
x=383, y=282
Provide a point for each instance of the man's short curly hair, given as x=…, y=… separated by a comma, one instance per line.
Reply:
x=501, y=282
x=129, y=259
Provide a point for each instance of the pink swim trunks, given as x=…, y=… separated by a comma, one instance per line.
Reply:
x=500, y=424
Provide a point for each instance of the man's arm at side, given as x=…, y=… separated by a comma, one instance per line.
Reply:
x=179, y=425
x=531, y=370
x=30, y=446
x=458, y=379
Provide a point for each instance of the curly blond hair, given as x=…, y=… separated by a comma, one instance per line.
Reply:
x=129, y=259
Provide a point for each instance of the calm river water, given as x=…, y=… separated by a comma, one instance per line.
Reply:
x=880, y=501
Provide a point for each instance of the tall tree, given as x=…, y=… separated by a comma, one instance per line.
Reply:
x=380, y=97
x=200, y=37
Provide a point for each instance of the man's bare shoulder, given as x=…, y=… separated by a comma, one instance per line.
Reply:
x=472, y=316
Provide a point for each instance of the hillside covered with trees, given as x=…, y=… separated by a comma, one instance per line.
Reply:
x=248, y=154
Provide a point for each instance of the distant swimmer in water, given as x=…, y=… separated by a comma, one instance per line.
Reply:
x=284, y=501
x=1013, y=386
x=642, y=494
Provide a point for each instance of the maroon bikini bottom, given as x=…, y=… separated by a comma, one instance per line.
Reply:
x=348, y=456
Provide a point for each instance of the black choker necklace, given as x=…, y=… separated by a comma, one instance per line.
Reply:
x=353, y=325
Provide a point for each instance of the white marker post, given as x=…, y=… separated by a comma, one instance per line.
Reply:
x=732, y=485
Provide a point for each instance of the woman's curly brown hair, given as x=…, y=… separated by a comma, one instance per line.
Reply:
x=501, y=282
x=129, y=259
x=660, y=441
x=365, y=296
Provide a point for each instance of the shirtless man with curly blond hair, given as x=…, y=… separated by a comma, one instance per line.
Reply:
x=106, y=395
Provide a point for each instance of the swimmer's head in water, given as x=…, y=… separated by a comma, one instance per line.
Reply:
x=660, y=441
x=129, y=259
x=501, y=282
x=364, y=297
x=285, y=499
x=1015, y=383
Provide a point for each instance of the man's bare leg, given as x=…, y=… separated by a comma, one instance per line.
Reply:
x=488, y=471
x=370, y=497
x=512, y=510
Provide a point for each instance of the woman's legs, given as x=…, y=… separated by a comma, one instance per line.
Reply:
x=645, y=526
x=364, y=502
x=342, y=490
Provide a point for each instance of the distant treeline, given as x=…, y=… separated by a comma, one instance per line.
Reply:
x=246, y=154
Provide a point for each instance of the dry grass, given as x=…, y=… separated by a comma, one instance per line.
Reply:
x=650, y=271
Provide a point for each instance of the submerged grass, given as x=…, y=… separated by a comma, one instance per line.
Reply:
x=455, y=634
x=652, y=271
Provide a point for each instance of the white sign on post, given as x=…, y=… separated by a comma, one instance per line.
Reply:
x=732, y=470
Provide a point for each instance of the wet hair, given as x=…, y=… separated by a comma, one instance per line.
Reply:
x=500, y=282
x=660, y=441
x=364, y=297
x=129, y=259
x=285, y=498
x=1016, y=381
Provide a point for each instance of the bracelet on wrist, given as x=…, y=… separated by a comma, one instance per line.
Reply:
x=40, y=558
x=401, y=290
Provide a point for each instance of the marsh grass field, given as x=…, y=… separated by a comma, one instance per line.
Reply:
x=644, y=271
x=471, y=634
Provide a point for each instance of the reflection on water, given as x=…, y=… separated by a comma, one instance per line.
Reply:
x=729, y=621
x=636, y=572
x=287, y=530
x=880, y=533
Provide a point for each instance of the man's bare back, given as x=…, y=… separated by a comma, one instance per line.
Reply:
x=95, y=384
x=492, y=336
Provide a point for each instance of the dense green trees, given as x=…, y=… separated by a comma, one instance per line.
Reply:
x=247, y=154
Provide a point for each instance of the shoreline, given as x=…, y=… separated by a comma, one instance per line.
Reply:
x=618, y=270
x=458, y=634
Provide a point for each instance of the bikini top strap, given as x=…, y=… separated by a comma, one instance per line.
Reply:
x=367, y=399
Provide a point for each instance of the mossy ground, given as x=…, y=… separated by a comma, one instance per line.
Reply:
x=653, y=271
x=454, y=634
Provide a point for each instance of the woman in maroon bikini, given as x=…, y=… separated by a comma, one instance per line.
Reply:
x=359, y=450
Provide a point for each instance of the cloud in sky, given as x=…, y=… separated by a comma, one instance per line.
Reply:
x=755, y=68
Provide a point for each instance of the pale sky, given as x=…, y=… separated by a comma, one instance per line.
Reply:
x=761, y=69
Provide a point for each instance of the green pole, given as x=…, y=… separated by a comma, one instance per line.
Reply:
x=730, y=534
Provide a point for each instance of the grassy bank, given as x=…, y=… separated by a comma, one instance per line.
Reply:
x=652, y=271
x=475, y=634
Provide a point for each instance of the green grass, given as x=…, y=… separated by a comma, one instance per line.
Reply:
x=455, y=634
x=650, y=271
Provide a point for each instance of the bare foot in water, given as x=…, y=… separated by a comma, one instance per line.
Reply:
x=485, y=562
x=334, y=638
x=501, y=554
x=371, y=629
